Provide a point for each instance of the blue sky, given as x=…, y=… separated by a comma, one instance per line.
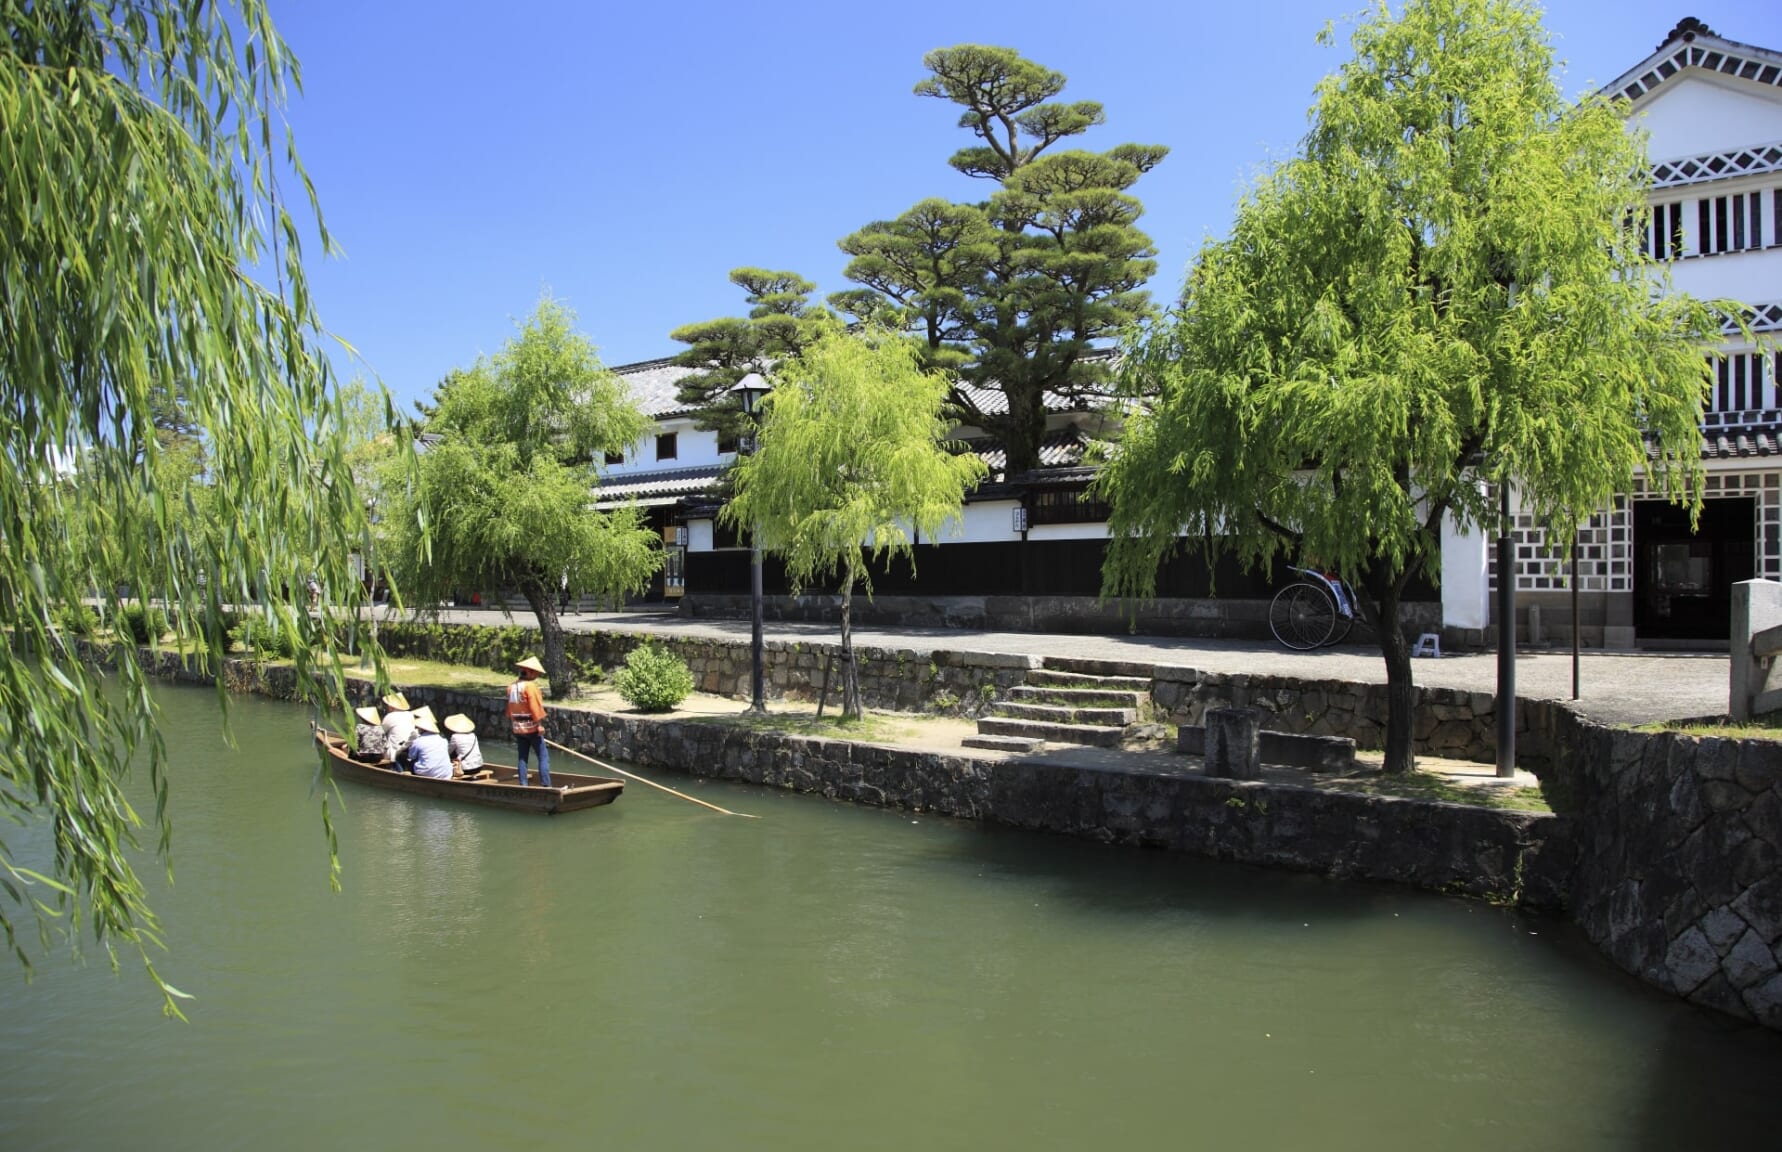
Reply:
x=627, y=156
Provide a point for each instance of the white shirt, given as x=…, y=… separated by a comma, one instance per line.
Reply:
x=466, y=751
x=399, y=729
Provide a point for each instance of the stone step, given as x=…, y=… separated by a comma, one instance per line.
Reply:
x=1052, y=733
x=1062, y=714
x=1005, y=743
x=1133, y=668
x=1074, y=697
x=1050, y=677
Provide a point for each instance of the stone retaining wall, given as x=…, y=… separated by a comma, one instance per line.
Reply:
x=1667, y=848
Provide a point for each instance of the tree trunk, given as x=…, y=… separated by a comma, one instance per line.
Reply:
x=850, y=676
x=543, y=602
x=1026, y=427
x=1401, y=692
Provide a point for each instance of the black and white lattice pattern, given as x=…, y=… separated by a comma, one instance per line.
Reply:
x=1718, y=166
x=1605, y=541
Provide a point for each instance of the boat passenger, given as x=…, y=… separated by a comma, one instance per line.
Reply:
x=399, y=724
x=368, y=737
x=467, y=754
x=526, y=715
x=427, y=754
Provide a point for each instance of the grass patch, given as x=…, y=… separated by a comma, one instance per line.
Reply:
x=1430, y=786
x=1765, y=727
x=871, y=726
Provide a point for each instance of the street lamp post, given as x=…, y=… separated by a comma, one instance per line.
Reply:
x=750, y=389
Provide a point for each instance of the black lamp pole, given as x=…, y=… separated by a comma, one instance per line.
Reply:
x=1506, y=637
x=751, y=388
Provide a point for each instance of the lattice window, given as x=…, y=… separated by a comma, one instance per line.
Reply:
x=1605, y=541
x=1729, y=223
x=1664, y=234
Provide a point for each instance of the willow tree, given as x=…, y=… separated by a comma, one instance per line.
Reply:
x=1014, y=292
x=850, y=459
x=1446, y=286
x=506, y=479
x=150, y=258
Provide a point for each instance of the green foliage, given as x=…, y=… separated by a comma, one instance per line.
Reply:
x=780, y=323
x=142, y=623
x=1450, y=273
x=943, y=701
x=505, y=493
x=77, y=619
x=1013, y=292
x=653, y=679
x=850, y=460
x=172, y=421
x=261, y=638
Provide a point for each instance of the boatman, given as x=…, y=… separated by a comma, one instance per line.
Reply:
x=525, y=714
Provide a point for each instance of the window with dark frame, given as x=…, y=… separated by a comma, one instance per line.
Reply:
x=615, y=457
x=1732, y=223
x=726, y=443
x=667, y=445
x=1065, y=506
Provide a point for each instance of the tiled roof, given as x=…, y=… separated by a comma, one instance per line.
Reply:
x=1062, y=448
x=1735, y=443
x=654, y=385
x=1732, y=443
x=666, y=482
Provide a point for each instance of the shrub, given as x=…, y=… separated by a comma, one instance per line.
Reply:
x=77, y=619
x=653, y=679
x=258, y=635
x=142, y=623
x=943, y=701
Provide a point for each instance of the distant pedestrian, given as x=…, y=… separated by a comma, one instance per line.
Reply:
x=526, y=715
x=563, y=597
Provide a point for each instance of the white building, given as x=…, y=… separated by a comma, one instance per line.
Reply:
x=1712, y=112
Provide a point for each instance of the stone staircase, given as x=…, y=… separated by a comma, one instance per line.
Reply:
x=1067, y=701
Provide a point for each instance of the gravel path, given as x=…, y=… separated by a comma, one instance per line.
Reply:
x=1622, y=688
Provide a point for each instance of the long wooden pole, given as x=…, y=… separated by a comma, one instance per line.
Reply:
x=651, y=783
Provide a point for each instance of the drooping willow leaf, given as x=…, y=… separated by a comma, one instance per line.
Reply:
x=143, y=216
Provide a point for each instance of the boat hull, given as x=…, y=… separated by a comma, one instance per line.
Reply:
x=569, y=791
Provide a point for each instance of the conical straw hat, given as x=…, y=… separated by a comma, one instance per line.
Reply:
x=530, y=664
x=459, y=722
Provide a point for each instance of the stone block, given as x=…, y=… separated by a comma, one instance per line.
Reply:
x=1723, y=927
x=1233, y=743
x=1749, y=962
x=1690, y=960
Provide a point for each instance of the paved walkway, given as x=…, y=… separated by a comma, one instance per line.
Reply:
x=1622, y=688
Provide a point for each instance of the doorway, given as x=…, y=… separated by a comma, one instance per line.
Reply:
x=1683, y=580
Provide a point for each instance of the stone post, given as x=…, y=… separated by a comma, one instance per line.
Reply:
x=1233, y=737
x=1756, y=605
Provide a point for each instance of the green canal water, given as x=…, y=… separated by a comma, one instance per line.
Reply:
x=828, y=977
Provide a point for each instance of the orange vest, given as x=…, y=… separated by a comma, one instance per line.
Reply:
x=524, y=707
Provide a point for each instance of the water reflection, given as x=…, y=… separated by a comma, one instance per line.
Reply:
x=825, y=977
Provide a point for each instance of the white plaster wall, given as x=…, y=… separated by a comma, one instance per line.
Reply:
x=1753, y=277
x=984, y=523
x=1696, y=112
x=699, y=535
x=694, y=448
x=1466, y=593
x=1069, y=532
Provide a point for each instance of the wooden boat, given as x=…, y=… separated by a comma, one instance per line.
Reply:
x=497, y=786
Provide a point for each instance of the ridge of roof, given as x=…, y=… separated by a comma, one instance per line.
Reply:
x=1692, y=44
